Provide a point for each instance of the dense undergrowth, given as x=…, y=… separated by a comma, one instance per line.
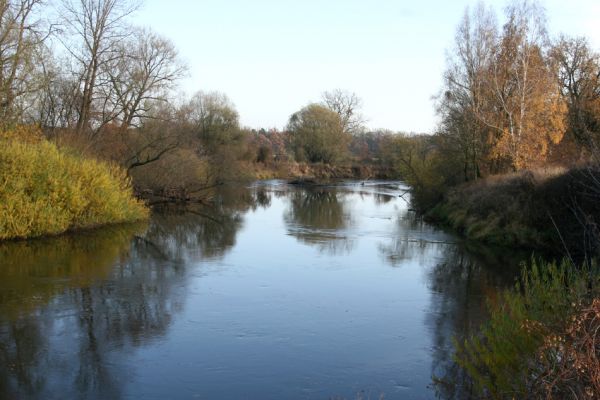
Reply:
x=45, y=190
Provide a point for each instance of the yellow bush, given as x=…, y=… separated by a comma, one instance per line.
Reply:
x=45, y=191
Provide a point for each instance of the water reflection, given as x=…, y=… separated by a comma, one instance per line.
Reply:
x=59, y=274
x=461, y=284
x=320, y=217
x=413, y=239
x=82, y=316
x=33, y=272
x=72, y=307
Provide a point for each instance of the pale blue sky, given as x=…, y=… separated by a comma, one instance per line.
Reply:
x=272, y=57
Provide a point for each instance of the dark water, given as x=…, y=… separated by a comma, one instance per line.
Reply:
x=276, y=293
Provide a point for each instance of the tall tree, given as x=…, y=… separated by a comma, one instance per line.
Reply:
x=527, y=110
x=466, y=93
x=145, y=68
x=501, y=101
x=96, y=27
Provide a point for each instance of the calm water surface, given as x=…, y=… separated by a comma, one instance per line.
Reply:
x=276, y=293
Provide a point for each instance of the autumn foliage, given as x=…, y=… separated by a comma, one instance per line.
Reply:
x=512, y=99
x=45, y=190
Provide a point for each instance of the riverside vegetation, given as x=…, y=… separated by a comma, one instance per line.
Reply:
x=514, y=160
x=47, y=191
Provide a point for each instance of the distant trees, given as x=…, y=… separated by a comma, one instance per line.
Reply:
x=347, y=105
x=214, y=118
x=317, y=135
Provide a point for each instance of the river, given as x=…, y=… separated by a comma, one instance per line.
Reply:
x=276, y=292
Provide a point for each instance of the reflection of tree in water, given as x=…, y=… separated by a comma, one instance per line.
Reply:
x=319, y=217
x=191, y=234
x=263, y=197
x=71, y=308
x=34, y=271
x=58, y=274
x=200, y=232
x=461, y=284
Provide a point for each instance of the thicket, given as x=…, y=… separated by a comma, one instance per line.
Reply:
x=45, y=190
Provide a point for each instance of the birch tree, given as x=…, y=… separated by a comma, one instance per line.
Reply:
x=527, y=110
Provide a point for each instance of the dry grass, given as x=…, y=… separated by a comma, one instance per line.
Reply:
x=545, y=207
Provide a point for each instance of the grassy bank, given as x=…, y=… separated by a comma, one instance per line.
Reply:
x=45, y=190
x=546, y=209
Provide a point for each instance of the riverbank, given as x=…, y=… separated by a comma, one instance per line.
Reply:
x=46, y=190
x=550, y=209
x=320, y=172
x=541, y=339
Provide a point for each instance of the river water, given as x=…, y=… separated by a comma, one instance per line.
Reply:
x=275, y=292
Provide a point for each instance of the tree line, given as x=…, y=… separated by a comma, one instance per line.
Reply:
x=95, y=82
x=513, y=98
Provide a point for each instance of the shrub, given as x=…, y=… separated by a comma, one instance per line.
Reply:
x=571, y=361
x=509, y=358
x=46, y=191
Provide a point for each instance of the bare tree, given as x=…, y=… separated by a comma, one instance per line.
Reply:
x=465, y=93
x=20, y=40
x=347, y=105
x=96, y=26
x=157, y=136
x=142, y=75
x=55, y=103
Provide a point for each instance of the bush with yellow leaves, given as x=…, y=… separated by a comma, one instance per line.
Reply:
x=45, y=190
